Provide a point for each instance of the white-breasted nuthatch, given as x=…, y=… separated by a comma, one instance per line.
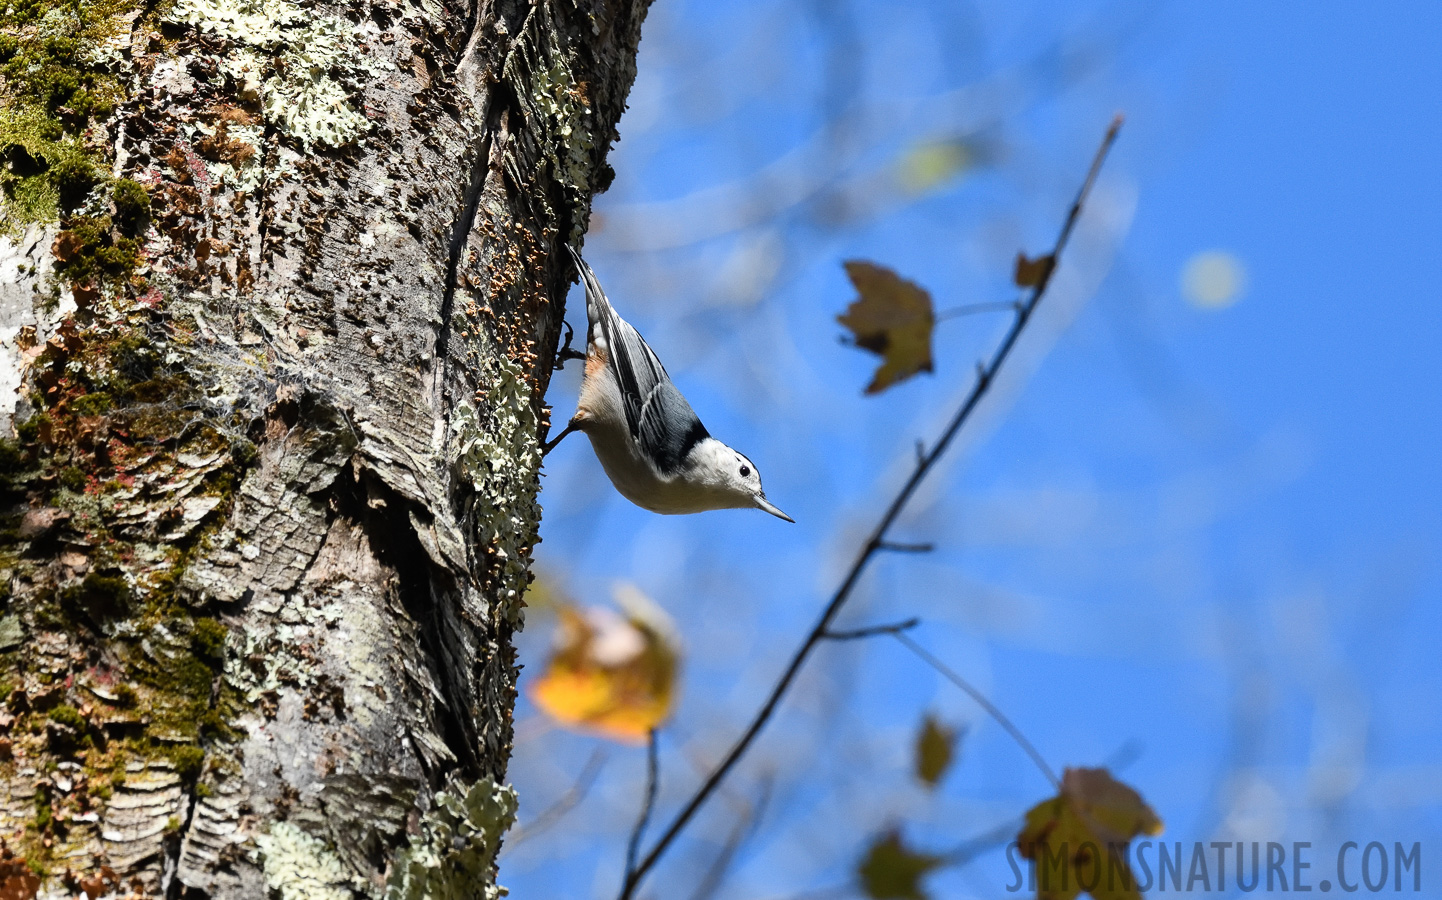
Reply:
x=650, y=442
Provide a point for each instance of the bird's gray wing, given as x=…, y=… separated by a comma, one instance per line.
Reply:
x=658, y=416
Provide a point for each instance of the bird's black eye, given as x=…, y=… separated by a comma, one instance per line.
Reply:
x=745, y=470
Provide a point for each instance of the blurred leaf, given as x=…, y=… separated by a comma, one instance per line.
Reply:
x=1080, y=837
x=610, y=674
x=935, y=750
x=928, y=165
x=892, y=318
x=1030, y=272
x=892, y=870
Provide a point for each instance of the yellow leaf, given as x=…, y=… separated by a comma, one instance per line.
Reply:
x=892, y=871
x=892, y=318
x=931, y=164
x=611, y=675
x=935, y=749
x=1031, y=272
x=1078, y=839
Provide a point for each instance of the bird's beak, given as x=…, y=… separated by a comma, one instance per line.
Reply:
x=763, y=503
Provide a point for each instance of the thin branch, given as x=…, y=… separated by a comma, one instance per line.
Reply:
x=653, y=776
x=569, y=800
x=905, y=548
x=971, y=848
x=1125, y=755
x=874, y=630
x=743, y=831
x=981, y=700
x=873, y=544
x=972, y=309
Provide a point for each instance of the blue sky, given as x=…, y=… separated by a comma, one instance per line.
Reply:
x=1200, y=543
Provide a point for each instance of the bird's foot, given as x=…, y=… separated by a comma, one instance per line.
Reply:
x=566, y=352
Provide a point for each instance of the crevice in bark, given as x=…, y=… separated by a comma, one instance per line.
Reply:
x=384, y=515
x=460, y=233
x=170, y=869
x=473, y=19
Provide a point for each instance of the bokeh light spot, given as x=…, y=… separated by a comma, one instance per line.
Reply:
x=1213, y=279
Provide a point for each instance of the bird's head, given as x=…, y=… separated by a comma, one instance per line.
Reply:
x=731, y=476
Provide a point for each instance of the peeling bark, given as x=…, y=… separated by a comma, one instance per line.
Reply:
x=271, y=495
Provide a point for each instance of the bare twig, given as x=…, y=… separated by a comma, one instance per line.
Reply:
x=818, y=633
x=1128, y=753
x=568, y=801
x=972, y=309
x=905, y=548
x=740, y=833
x=973, y=847
x=653, y=775
x=872, y=631
x=980, y=698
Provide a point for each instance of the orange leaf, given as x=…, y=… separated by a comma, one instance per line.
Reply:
x=892, y=318
x=610, y=674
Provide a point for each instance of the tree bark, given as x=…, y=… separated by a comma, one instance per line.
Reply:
x=280, y=365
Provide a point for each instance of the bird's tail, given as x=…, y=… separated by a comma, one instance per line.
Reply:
x=597, y=306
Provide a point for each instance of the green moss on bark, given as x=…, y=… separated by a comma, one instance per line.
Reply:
x=57, y=83
x=67, y=715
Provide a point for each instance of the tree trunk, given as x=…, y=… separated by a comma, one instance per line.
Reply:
x=279, y=355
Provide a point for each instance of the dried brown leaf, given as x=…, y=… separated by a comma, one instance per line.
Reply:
x=1080, y=836
x=1031, y=272
x=892, y=318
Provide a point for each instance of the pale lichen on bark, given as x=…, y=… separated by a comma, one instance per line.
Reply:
x=301, y=867
x=303, y=67
x=279, y=290
x=500, y=461
x=454, y=853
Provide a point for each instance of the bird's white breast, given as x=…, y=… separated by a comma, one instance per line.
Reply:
x=639, y=482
